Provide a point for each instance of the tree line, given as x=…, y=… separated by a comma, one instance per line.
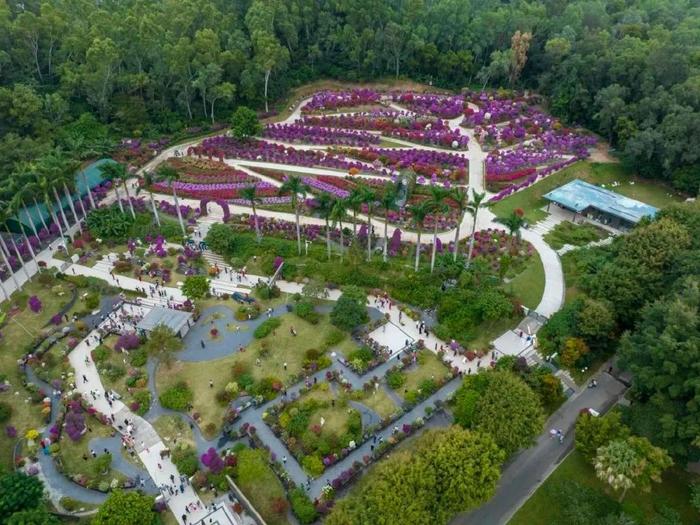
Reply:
x=625, y=69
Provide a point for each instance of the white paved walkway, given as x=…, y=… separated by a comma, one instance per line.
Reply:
x=148, y=444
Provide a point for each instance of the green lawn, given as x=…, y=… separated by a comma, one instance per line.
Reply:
x=171, y=428
x=379, y=401
x=673, y=491
x=281, y=347
x=528, y=285
x=531, y=201
x=71, y=455
x=429, y=367
x=575, y=234
x=18, y=331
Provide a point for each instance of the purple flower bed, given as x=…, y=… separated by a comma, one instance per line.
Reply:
x=500, y=162
x=424, y=162
x=34, y=304
x=383, y=120
x=265, y=151
x=265, y=201
x=444, y=106
x=492, y=111
x=325, y=100
x=318, y=135
x=318, y=185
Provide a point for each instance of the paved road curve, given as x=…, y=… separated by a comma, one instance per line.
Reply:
x=524, y=474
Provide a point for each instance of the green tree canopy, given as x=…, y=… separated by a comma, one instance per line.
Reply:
x=504, y=407
x=245, y=123
x=19, y=492
x=446, y=472
x=126, y=508
x=196, y=286
x=350, y=310
x=162, y=341
x=595, y=432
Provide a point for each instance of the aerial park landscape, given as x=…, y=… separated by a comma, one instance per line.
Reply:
x=247, y=293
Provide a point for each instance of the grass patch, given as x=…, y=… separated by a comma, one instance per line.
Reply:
x=379, y=401
x=531, y=199
x=674, y=491
x=21, y=325
x=72, y=452
x=260, y=484
x=272, y=353
x=429, y=367
x=574, y=234
x=528, y=285
x=173, y=430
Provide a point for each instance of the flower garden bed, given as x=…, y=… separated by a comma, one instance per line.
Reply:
x=492, y=245
x=443, y=106
x=445, y=166
x=324, y=136
x=334, y=100
x=317, y=428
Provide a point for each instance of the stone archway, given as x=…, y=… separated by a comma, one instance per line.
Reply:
x=224, y=206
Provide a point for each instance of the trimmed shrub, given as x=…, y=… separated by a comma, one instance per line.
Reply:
x=177, y=397
x=266, y=327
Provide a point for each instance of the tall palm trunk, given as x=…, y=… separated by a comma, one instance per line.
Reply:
x=82, y=208
x=342, y=243
x=255, y=222
x=418, y=249
x=18, y=255
x=369, y=234
x=5, y=295
x=471, y=243
x=296, y=217
x=7, y=264
x=72, y=208
x=55, y=220
x=31, y=220
x=328, y=239
x=432, y=257
x=119, y=200
x=41, y=215
x=177, y=209
x=386, y=235
x=155, y=210
x=354, y=223
x=456, y=247
x=31, y=250
x=63, y=214
x=128, y=199
x=89, y=192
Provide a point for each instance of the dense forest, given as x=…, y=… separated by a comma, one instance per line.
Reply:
x=76, y=74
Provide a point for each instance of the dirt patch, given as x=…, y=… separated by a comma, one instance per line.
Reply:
x=602, y=154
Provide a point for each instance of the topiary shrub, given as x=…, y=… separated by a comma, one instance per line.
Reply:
x=266, y=327
x=306, y=310
x=185, y=459
x=302, y=507
x=313, y=465
x=395, y=379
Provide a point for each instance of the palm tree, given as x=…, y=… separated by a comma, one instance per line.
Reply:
x=437, y=206
x=461, y=198
x=339, y=214
x=148, y=181
x=355, y=200
x=16, y=205
x=43, y=185
x=62, y=170
x=117, y=172
x=325, y=209
x=87, y=188
x=52, y=169
x=6, y=213
x=513, y=222
x=388, y=203
x=369, y=197
x=473, y=209
x=295, y=186
x=418, y=214
x=170, y=174
x=249, y=193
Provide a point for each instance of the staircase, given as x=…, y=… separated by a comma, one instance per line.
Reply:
x=545, y=225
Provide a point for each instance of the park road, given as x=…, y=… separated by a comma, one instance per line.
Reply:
x=526, y=472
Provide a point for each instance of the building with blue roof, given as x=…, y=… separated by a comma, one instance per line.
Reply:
x=599, y=204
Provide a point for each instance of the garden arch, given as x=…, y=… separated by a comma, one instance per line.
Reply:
x=224, y=206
